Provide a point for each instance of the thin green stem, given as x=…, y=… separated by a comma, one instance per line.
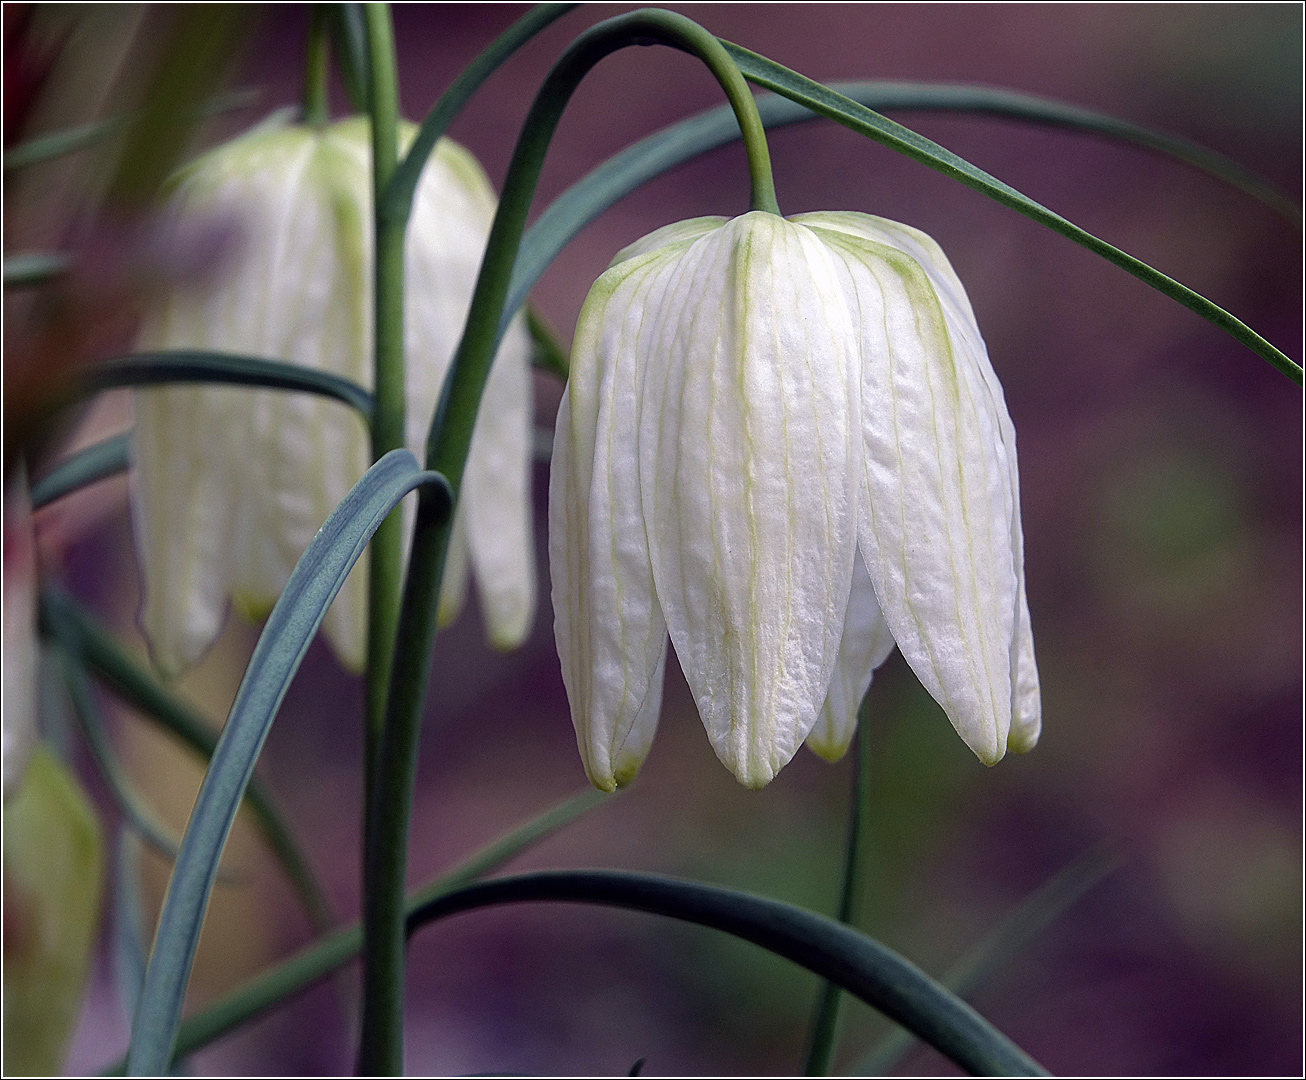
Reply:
x=386, y=856
x=386, y=551
x=823, y=1039
x=316, y=108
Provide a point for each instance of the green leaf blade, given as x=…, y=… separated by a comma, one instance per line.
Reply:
x=98, y=462
x=851, y=114
x=299, y=611
x=859, y=964
x=202, y=366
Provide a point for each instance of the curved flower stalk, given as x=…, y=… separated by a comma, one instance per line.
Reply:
x=783, y=444
x=229, y=484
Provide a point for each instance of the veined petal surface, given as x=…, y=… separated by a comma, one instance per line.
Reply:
x=609, y=628
x=865, y=645
x=940, y=519
x=748, y=478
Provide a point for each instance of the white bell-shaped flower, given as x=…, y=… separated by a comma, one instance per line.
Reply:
x=782, y=442
x=229, y=484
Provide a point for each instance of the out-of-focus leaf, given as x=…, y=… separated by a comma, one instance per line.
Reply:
x=32, y=268
x=104, y=459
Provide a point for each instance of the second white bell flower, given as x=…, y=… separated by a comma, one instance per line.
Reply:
x=783, y=444
x=229, y=485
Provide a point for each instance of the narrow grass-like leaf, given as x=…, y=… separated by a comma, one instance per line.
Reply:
x=298, y=612
x=106, y=458
x=861, y=965
x=399, y=194
x=1029, y=919
x=887, y=96
x=851, y=114
x=198, y=366
x=330, y=953
x=640, y=162
x=136, y=815
x=55, y=144
x=137, y=687
x=33, y=268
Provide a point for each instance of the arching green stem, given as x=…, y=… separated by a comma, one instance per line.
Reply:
x=385, y=858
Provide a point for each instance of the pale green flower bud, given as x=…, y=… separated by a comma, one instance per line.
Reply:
x=229, y=484
x=783, y=444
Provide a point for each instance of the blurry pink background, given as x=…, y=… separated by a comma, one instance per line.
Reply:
x=1161, y=479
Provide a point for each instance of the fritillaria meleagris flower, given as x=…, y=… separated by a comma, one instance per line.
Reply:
x=783, y=443
x=230, y=484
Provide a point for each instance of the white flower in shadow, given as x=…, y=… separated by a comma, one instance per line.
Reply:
x=229, y=485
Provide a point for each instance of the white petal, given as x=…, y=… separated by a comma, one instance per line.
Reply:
x=677, y=233
x=748, y=480
x=1026, y=707
x=453, y=211
x=865, y=645
x=938, y=505
x=496, y=488
x=609, y=629
x=457, y=567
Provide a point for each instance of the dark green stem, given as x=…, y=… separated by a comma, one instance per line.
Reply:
x=386, y=856
x=316, y=109
x=823, y=1039
x=381, y=1050
x=386, y=551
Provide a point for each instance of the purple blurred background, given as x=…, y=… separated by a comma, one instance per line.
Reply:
x=1161, y=479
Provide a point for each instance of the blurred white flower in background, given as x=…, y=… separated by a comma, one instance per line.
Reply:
x=783, y=443
x=229, y=484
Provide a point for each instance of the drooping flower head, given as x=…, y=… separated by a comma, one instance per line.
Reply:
x=783, y=444
x=230, y=484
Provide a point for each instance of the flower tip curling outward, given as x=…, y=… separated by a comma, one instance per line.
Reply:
x=783, y=445
x=230, y=484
